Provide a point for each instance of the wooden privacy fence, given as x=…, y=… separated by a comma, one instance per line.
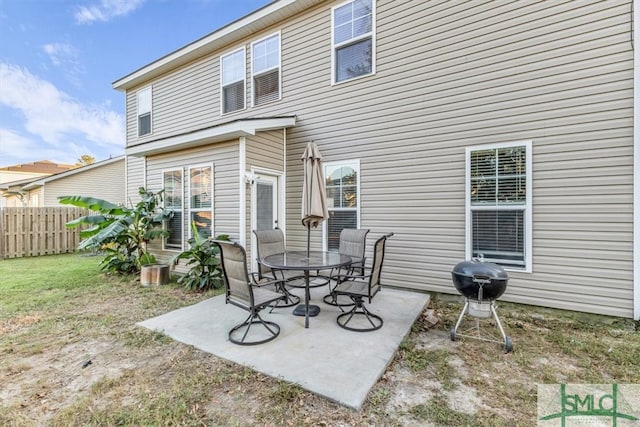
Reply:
x=38, y=231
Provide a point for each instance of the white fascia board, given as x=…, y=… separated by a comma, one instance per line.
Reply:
x=219, y=133
x=267, y=15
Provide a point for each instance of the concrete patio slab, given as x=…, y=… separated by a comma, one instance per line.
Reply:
x=325, y=359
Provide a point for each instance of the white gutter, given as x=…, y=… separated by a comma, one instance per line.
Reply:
x=636, y=160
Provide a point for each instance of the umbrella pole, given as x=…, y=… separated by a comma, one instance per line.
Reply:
x=308, y=240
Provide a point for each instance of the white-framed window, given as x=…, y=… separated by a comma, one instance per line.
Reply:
x=173, y=199
x=342, y=184
x=144, y=111
x=201, y=199
x=232, y=81
x=265, y=69
x=498, y=204
x=353, y=42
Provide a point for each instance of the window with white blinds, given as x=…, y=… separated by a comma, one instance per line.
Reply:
x=144, y=111
x=232, y=81
x=201, y=200
x=342, y=184
x=266, y=70
x=353, y=39
x=173, y=199
x=499, y=204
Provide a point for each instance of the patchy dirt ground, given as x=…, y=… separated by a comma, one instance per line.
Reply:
x=90, y=366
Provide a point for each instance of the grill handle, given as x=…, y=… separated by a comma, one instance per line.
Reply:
x=481, y=281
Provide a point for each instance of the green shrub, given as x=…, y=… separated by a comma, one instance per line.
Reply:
x=202, y=256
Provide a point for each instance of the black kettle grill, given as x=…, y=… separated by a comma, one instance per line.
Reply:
x=481, y=283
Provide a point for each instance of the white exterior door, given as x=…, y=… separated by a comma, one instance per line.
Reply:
x=265, y=202
x=265, y=210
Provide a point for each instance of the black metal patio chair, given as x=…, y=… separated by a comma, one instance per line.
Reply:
x=353, y=242
x=359, y=288
x=243, y=291
x=269, y=242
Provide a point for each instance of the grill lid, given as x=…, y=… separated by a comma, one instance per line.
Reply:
x=480, y=269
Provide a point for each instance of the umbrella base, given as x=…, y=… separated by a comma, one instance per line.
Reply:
x=300, y=310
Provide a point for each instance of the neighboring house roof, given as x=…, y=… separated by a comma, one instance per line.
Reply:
x=34, y=183
x=268, y=15
x=41, y=166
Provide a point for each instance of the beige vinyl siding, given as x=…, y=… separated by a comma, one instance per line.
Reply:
x=225, y=161
x=103, y=182
x=135, y=178
x=563, y=81
x=264, y=150
x=451, y=75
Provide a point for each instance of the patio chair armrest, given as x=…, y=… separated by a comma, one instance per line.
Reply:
x=255, y=278
x=344, y=277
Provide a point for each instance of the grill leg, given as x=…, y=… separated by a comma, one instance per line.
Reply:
x=464, y=310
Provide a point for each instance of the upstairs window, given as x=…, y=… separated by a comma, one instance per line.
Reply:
x=266, y=70
x=173, y=199
x=499, y=204
x=353, y=42
x=233, y=81
x=144, y=111
x=342, y=183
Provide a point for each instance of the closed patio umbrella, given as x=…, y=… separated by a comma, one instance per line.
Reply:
x=314, y=196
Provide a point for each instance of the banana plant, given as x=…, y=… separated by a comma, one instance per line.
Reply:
x=122, y=233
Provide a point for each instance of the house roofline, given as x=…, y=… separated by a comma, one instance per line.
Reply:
x=262, y=18
x=40, y=182
x=217, y=133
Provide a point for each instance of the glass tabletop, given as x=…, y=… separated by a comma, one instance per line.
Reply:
x=300, y=260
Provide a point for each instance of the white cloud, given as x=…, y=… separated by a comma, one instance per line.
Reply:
x=60, y=53
x=105, y=10
x=56, y=117
x=17, y=149
x=65, y=57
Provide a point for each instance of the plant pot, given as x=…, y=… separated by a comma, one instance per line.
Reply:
x=154, y=275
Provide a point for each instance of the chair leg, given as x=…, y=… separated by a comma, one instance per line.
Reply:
x=289, y=299
x=254, y=318
x=359, y=311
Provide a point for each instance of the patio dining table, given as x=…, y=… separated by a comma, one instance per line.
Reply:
x=306, y=261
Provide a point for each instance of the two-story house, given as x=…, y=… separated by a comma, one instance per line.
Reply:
x=505, y=130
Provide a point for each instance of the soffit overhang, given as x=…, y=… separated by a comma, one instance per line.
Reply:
x=222, y=132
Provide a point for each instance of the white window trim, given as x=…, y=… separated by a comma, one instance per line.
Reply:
x=528, y=227
x=138, y=92
x=362, y=37
x=211, y=189
x=279, y=68
x=182, y=239
x=244, y=80
x=355, y=164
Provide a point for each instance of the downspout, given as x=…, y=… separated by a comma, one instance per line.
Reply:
x=242, y=166
x=282, y=223
x=636, y=160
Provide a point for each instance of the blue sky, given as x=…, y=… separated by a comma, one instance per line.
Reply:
x=58, y=59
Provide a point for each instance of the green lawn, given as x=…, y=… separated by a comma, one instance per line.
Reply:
x=57, y=313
